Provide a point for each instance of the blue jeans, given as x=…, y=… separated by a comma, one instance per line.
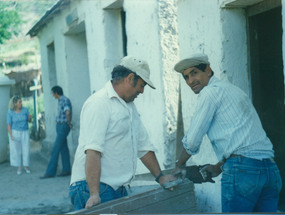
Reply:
x=250, y=185
x=79, y=193
x=60, y=147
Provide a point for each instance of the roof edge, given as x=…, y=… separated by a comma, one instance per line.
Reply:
x=47, y=17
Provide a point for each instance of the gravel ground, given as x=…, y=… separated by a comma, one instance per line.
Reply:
x=28, y=194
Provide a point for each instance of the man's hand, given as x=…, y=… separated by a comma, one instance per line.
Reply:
x=213, y=170
x=93, y=200
x=194, y=174
x=179, y=172
x=165, y=179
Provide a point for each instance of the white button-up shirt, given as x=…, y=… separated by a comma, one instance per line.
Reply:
x=225, y=113
x=113, y=127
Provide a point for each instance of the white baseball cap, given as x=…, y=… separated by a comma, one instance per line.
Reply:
x=139, y=67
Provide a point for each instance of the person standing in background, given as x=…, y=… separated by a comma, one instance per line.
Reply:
x=63, y=126
x=19, y=138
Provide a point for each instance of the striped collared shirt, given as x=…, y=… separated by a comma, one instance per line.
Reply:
x=225, y=113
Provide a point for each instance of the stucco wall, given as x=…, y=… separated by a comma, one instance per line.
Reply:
x=147, y=39
x=69, y=73
x=143, y=42
x=167, y=16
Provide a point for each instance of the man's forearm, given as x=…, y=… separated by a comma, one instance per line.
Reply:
x=93, y=171
x=150, y=161
x=9, y=130
x=184, y=156
x=68, y=117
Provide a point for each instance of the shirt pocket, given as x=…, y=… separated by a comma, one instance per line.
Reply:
x=119, y=122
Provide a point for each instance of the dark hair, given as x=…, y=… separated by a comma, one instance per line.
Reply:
x=202, y=67
x=58, y=90
x=16, y=98
x=12, y=101
x=120, y=72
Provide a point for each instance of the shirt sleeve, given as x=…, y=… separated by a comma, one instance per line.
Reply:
x=26, y=111
x=66, y=105
x=93, y=125
x=9, y=118
x=207, y=104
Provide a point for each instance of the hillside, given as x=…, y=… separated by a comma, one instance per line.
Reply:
x=23, y=51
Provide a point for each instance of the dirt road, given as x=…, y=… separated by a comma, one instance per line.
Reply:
x=26, y=193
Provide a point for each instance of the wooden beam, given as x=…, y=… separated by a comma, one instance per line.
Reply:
x=181, y=200
x=263, y=6
x=239, y=3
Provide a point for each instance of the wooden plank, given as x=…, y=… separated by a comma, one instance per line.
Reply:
x=263, y=6
x=170, y=205
x=155, y=201
x=239, y=3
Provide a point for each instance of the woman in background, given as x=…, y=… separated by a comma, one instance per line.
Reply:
x=17, y=121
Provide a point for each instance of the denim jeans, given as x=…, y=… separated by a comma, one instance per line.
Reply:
x=60, y=147
x=79, y=193
x=250, y=185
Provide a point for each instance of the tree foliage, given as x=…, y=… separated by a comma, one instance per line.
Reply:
x=9, y=20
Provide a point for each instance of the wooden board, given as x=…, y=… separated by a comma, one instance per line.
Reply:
x=181, y=200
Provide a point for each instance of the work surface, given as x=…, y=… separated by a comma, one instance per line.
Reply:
x=180, y=200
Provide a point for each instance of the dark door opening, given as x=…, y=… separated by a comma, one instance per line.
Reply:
x=267, y=79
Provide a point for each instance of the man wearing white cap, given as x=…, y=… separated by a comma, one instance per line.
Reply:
x=111, y=139
x=250, y=181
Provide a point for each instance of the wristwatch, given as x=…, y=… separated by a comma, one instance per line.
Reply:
x=158, y=177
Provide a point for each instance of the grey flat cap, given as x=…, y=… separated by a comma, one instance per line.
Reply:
x=192, y=61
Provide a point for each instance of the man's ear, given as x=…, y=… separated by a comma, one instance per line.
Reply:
x=130, y=77
x=208, y=70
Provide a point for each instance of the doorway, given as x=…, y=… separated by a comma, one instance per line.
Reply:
x=267, y=79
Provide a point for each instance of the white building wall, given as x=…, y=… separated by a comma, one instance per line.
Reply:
x=104, y=48
x=167, y=16
x=54, y=33
x=143, y=42
x=99, y=66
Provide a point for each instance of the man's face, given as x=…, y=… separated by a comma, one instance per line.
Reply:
x=55, y=95
x=196, y=79
x=132, y=90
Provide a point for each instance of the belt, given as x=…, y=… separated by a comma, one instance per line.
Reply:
x=236, y=156
x=241, y=156
x=61, y=122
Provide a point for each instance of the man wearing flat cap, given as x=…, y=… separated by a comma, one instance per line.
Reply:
x=251, y=180
x=111, y=138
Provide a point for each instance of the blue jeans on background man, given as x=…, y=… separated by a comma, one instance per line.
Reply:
x=79, y=193
x=60, y=147
x=250, y=185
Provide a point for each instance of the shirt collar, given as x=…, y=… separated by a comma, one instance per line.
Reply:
x=113, y=94
x=110, y=90
x=60, y=98
x=212, y=80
